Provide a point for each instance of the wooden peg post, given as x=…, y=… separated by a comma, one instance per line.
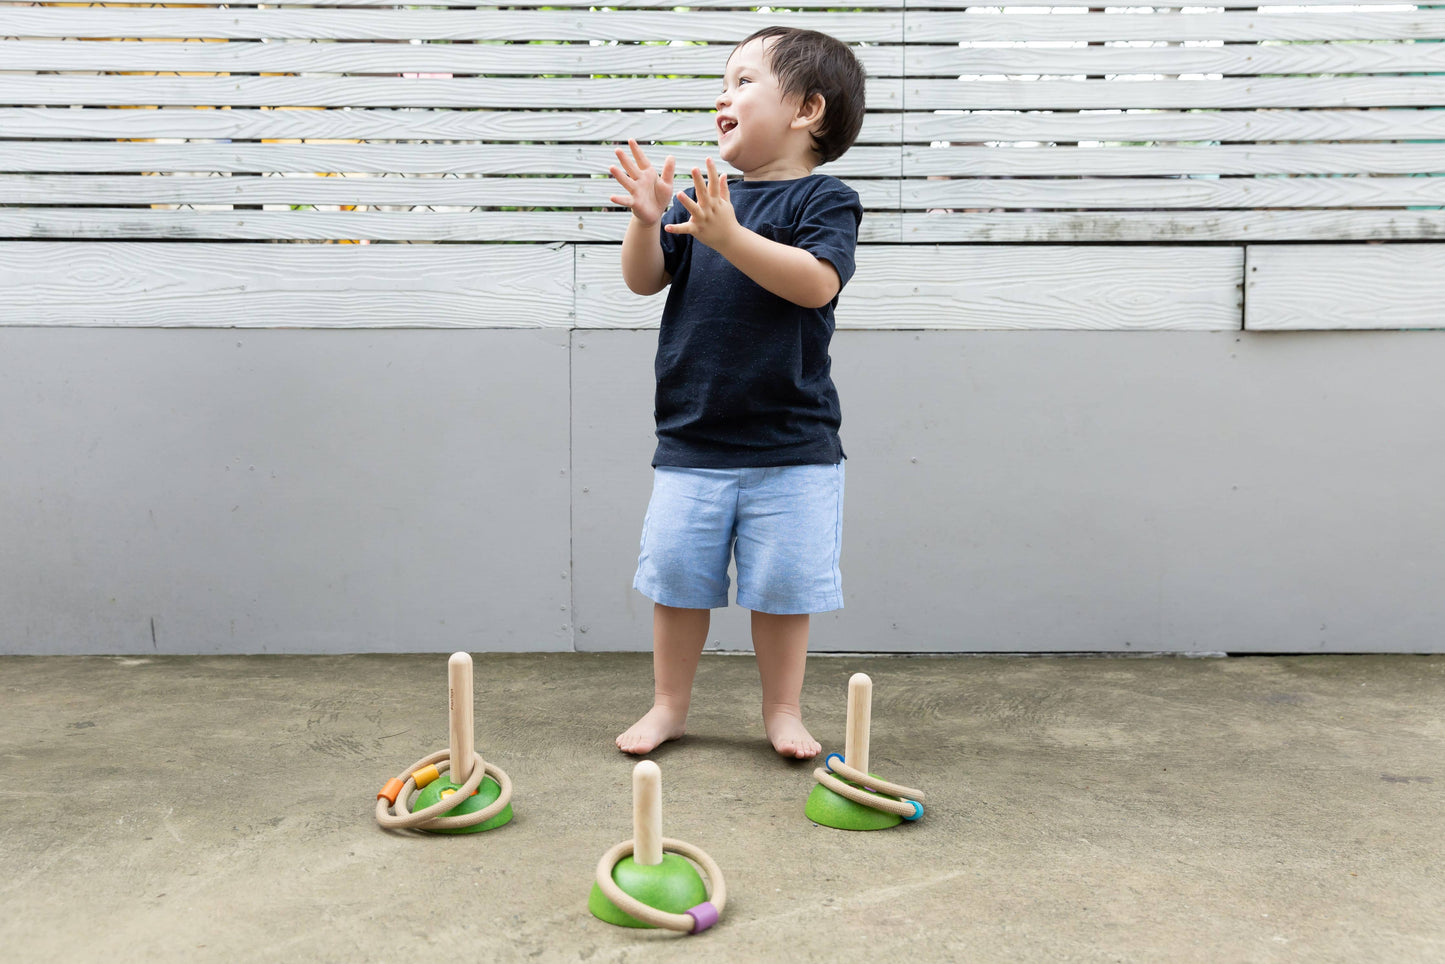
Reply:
x=459, y=696
x=647, y=814
x=860, y=721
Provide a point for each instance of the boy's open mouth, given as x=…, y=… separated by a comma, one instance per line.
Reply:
x=725, y=125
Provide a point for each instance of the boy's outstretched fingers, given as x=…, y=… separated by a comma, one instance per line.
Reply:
x=717, y=183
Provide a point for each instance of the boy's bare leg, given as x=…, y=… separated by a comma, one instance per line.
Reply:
x=678, y=637
x=781, y=644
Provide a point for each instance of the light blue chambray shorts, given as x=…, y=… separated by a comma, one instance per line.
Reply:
x=783, y=526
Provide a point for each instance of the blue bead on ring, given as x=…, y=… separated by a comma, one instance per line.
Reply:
x=917, y=810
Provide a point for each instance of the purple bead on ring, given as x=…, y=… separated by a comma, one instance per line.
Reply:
x=703, y=916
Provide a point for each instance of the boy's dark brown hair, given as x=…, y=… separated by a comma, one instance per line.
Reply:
x=807, y=62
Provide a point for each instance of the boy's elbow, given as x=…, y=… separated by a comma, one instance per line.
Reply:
x=645, y=286
x=822, y=293
x=824, y=287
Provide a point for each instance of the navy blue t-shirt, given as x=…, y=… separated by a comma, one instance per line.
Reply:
x=743, y=376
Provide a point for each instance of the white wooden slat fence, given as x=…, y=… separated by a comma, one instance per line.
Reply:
x=1119, y=138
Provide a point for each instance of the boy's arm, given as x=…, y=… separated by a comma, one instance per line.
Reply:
x=786, y=271
x=642, y=267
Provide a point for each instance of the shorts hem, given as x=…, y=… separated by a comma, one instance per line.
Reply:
x=789, y=607
x=663, y=598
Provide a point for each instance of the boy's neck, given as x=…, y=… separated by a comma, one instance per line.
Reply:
x=781, y=169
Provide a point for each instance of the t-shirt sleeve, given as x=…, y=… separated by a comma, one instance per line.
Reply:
x=827, y=228
x=673, y=245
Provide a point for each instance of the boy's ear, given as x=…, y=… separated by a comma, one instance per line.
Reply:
x=810, y=112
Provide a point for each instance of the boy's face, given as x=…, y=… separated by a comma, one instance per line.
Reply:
x=754, y=117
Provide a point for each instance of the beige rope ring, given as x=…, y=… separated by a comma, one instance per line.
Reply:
x=696, y=919
x=909, y=808
x=398, y=793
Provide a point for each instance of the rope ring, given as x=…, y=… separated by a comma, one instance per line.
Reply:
x=696, y=919
x=909, y=807
x=431, y=818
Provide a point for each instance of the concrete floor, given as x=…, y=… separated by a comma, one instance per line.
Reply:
x=1079, y=809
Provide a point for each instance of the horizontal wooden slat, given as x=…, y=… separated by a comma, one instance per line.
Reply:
x=883, y=93
x=246, y=23
x=641, y=4
x=56, y=190
x=923, y=60
x=1227, y=93
x=1108, y=193
x=923, y=26
x=280, y=286
x=468, y=92
x=1236, y=26
x=62, y=189
x=1345, y=286
x=1200, y=125
x=1140, y=4
x=1176, y=226
x=378, y=58
x=51, y=157
x=709, y=60
x=607, y=126
x=1136, y=288
x=822, y=4
x=1210, y=159
x=613, y=126
x=141, y=224
x=881, y=227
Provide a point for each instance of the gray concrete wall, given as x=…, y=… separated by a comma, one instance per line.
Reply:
x=405, y=490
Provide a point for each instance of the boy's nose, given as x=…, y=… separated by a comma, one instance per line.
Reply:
x=722, y=100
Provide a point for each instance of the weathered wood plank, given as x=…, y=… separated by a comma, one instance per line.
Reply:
x=494, y=59
x=1134, y=288
x=578, y=192
x=1162, y=4
x=687, y=93
x=654, y=4
x=952, y=60
x=51, y=157
x=145, y=224
x=934, y=227
x=923, y=60
x=284, y=286
x=1345, y=286
x=462, y=92
x=1237, y=26
x=1108, y=193
x=1233, y=92
x=811, y=4
x=614, y=126
x=1165, y=226
x=923, y=26
x=1198, y=125
x=246, y=23
x=603, y=126
x=54, y=190
x=1202, y=159
x=41, y=157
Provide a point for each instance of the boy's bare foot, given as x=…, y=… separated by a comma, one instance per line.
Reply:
x=657, y=726
x=789, y=737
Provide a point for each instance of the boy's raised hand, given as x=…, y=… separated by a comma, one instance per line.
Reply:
x=712, y=218
x=649, y=193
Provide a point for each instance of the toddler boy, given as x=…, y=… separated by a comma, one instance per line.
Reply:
x=748, y=465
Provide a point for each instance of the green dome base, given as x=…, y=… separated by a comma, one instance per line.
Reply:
x=674, y=886
x=835, y=810
x=486, y=794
